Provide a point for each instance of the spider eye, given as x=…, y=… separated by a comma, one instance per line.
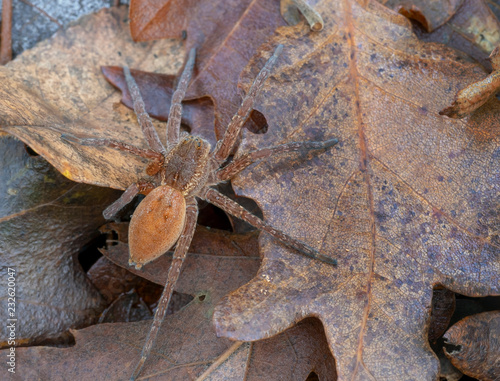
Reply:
x=156, y=224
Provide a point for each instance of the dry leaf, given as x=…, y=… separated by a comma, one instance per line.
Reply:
x=156, y=91
x=426, y=225
x=477, y=94
x=58, y=88
x=430, y=13
x=207, y=244
x=129, y=297
x=188, y=347
x=407, y=199
x=494, y=5
x=477, y=339
x=443, y=306
x=473, y=29
x=113, y=281
x=45, y=220
x=226, y=35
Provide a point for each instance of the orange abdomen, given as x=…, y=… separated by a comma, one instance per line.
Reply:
x=156, y=224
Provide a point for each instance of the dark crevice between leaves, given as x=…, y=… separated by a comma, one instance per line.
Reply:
x=30, y=151
x=312, y=377
x=90, y=252
x=467, y=306
x=111, y=238
x=213, y=217
x=64, y=340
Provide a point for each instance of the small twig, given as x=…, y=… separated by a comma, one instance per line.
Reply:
x=233, y=348
x=6, y=47
x=53, y=19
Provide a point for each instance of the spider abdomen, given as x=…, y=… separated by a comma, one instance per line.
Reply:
x=156, y=224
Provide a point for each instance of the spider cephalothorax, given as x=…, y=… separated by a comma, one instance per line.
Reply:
x=179, y=174
x=159, y=219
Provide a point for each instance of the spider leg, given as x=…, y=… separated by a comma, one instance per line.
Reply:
x=126, y=198
x=244, y=161
x=173, y=274
x=226, y=144
x=218, y=199
x=142, y=116
x=175, y=113
x=146, y=153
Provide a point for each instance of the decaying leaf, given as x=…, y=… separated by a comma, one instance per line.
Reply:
x=157, y=90
x=477, y=94
x=45, y=220
x=188, y=347
x=431, y=14
x=473, y=29
x=129, y=297
x=207, y=244
x=226, y=34
x=112, y=280
x=58, y=88
x=407, y=199
x=477, y=341
x=443, y=306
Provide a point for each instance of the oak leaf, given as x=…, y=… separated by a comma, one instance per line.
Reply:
x=473, y=28
x=188, y=347
x=431, y=14
x=57, y=87
x=407, y=200
x=156, y=91
x=45, y=220
x=226, y=34
x=477, y=345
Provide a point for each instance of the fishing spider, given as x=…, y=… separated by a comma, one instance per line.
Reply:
x=180, y=173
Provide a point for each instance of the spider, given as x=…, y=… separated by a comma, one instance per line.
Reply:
x=179, y=174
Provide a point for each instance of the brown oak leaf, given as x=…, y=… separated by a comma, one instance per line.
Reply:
x=57, y=88
x=407, y=200
x=473, y=29
x=226, y=34
x=188, y=347
x=45, y=220
x=477, y=338
x=156, y=91
x=430, y=13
